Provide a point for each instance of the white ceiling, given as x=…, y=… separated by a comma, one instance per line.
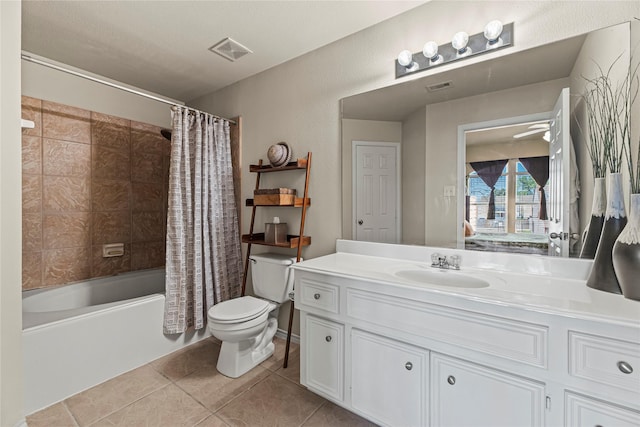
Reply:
x=162, y=46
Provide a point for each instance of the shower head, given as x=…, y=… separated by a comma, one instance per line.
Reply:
x=166, y=133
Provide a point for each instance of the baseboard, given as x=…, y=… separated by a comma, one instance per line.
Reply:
x=283, y=334
x=21, y=423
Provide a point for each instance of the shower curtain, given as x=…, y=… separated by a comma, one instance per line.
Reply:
x=204, y=258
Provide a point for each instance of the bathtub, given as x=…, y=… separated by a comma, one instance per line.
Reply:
x=79, y=335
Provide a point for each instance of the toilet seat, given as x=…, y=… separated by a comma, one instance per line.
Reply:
x=238, y=310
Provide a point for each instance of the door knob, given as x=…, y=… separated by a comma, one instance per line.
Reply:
x=360, y=222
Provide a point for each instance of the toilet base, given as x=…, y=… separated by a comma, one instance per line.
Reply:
x=238, y=358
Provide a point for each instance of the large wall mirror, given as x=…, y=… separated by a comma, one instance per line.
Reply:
x=429, y=139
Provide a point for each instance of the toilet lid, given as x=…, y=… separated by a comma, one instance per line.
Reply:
x=238, y=309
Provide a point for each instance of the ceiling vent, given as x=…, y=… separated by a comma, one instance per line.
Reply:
x=230, y=49
x=440, y=86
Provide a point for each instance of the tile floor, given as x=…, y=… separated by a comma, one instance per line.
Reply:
x=185, y=389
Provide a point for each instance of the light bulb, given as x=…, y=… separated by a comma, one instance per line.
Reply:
x=459, y=43
x=405, y=58
x=430, y=51
x=492, y=33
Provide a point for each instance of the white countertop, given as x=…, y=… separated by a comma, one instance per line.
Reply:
x=543, y=292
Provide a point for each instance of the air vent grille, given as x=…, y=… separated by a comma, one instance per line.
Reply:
x=230, y=49
x=440, y=86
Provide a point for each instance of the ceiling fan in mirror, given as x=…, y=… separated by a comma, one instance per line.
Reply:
x=535, y=129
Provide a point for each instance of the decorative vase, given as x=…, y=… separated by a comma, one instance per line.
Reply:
x=626, y=253
x=594, y=230
x=603, y=276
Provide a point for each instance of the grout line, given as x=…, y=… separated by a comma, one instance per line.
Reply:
x=314, y=412
x=64, y=404
x=127, y=405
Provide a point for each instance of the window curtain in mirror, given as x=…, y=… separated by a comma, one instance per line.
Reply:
x=203, y=252
x=538, y=168
x=490, y=172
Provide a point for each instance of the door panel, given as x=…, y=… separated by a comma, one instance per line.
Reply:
x=376, y=206
x=559, y=165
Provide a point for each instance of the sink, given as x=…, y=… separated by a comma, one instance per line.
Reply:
x=448, y=278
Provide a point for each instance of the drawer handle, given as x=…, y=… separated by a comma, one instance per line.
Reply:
x=625, y=367
x=328, y=338
x=316, y=296
x=409, y=366
x=451, y=379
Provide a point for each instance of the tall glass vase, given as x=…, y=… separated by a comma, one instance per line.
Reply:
x=603, y=276
x=626, y=253
x=598, y=210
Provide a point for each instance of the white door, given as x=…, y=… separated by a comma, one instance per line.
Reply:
x=389, y=380
x=376, y=192
x=558, y=202
x=466, y=394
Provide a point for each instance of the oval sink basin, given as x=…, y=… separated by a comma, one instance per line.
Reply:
x=443, y=278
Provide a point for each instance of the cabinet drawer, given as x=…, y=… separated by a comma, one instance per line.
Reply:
x=583, y=411
x=605, y=360
x=507, y=338
x=319, y=295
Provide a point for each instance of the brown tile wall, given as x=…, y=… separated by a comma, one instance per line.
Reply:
x=89, y=179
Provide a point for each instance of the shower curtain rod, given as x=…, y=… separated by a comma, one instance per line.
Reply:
x=115, y=85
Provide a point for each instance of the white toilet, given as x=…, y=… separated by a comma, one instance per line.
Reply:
x=246, y=325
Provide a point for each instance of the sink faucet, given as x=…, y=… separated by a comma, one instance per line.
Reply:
x=441, y=261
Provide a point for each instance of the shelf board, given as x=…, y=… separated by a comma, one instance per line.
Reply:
x=298, y=202
x=298, y=164
x=292, y=241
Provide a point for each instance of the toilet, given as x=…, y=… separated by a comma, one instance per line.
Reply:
x=246, y=325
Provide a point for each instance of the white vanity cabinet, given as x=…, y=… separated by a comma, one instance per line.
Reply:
x=403, y=355
x=467, y=394
x=389, y=380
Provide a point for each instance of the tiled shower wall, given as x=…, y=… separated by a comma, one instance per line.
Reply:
x=89, y=179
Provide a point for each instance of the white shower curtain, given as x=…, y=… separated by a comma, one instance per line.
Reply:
x=204, y=257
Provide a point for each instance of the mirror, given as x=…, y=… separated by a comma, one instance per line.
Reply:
x=427, y=118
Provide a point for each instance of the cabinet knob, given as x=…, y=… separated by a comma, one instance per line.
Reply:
x=451, y=379
x=409, y=366
x=328, y=338
x=625, y=367
x=360, y=222
x=316, y=296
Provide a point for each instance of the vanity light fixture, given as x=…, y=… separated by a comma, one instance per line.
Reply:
x=430, y=51
x=492, y=32
x=405, y=58
x=495, y=36
x=459, y=42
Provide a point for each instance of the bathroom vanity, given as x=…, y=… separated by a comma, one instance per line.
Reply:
x=507, y=340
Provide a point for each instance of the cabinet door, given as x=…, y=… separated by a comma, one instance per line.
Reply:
x=585, y=412
x=466, y=394
x=324, y=355
x=389, y=380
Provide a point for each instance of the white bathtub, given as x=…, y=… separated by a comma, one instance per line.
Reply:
x=79, y=335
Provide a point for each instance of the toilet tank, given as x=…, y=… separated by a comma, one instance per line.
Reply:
x=271, y=277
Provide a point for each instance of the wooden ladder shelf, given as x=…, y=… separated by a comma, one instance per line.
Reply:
x=293, y=241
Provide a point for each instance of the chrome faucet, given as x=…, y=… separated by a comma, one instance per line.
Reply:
x=441, y=261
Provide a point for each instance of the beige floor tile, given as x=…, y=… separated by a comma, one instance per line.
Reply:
x=213, y=421
x=292, y=371
x=167, y=407
x=103, y=399
x=275, y=361
x=330, y=415
x=214, y=390
x=184, y=362
x=272, y=402
x=55, y=415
